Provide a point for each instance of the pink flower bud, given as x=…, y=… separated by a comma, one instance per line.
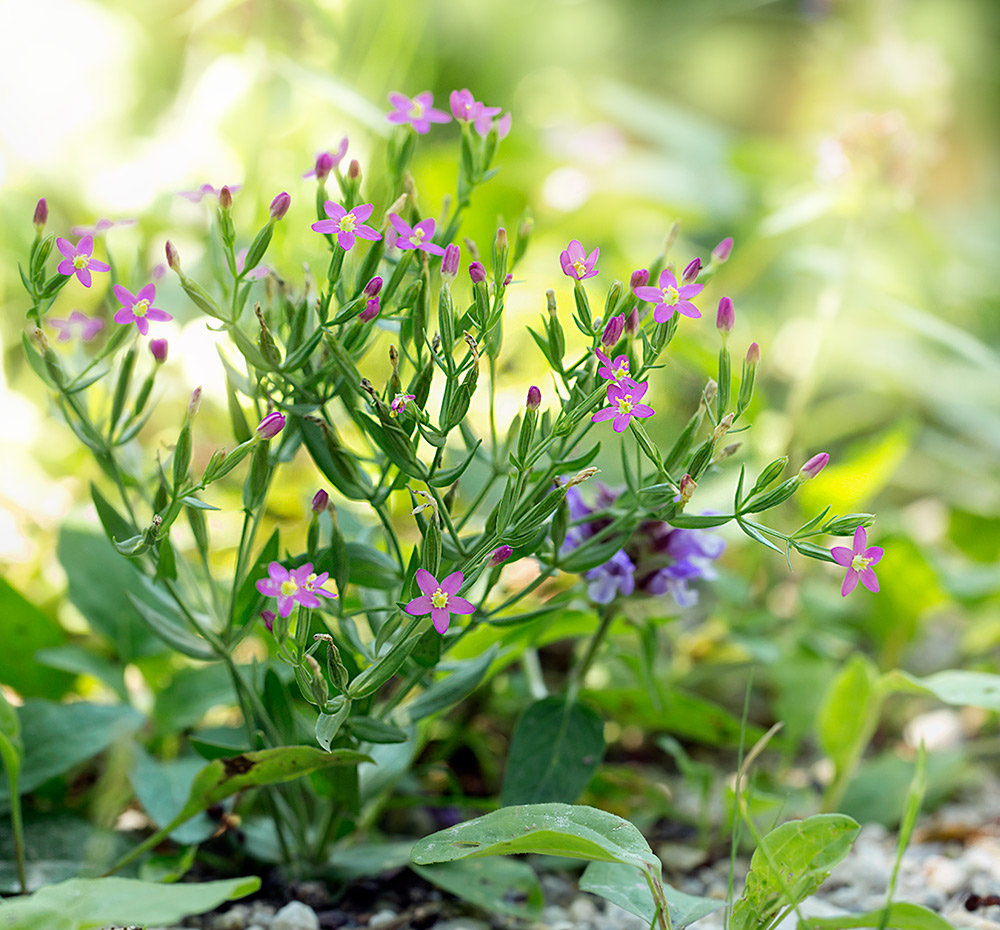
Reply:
x=613, y=330
x=324, y=165
x=501, y=240
x=814, y=466
x=280, y=205
x=692, y=271
x=159, y=349
x=271, y=425
x=373, y=287
x=477, y=272
x=753, y=354
x=371, y=310
x=320, y=501
x=500, y=555
x=41, y=216
x=726, y=316
x=722, y=251
x=268, y=617
x=507, y=280
x=450, y=262
x=534, y=398
x=195, y=402
x=354, y=169
x=687, y=489
x=173, y=259
x=639, y=278
x=225, y=198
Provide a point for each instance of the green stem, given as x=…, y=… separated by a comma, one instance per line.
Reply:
x=607, y=614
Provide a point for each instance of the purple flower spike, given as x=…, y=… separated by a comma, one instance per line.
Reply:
x=858, y=561
x=79, y=259
x=670, y=296
x=271, y=425
x=295, y=586
x=616, y=370
x=615, y=577
x=347, y=224
x=78, y=323
x=576, y=263
x=439, y=600
x=138, y=308
x=418, y=236
x=624, y=398
x=327, y=161
x=399, y=403
x=418, y=111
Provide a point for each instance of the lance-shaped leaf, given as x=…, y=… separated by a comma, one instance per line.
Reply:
x=902, y=916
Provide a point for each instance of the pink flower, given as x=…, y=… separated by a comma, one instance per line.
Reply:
x=477, y=272
x=327, y=161
x=271, y=425
x=399, y=403
x=723, y=250
x=254, y=274
x=439, y=600
x=503, y=126
x=102, y=225
x=858, y=561
x=616, y=370
x=624, y=398
x=466, y=109
x=371, y=310
x=347, y=224
x=87, y=326
x=415, y=237
x=295, y=586
x=78, y=259
x=138, y=308
x=669, y=297
x=450, y=262
x=159, y=348
x=417, y=111
x=576, y=264
x=195, y=196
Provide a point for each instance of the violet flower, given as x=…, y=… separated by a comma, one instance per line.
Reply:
x=87, y=327
x=418, y=236
x=254, y=274
x=79, y=259
x=347, y=224
x=439, y=600
x=466, y=109
x=399, y=403
x=669, y=296
x=294, y=586
x=576, y=263
x=858, y=561
x=138, y=308
x=271, y=425
x=320, y=501
x=616, y=370
x=327, y=161
x=159, y=348
x=417, y=111
x=624, y=397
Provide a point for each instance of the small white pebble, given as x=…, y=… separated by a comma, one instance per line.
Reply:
x=295, y=916
x=380, y=918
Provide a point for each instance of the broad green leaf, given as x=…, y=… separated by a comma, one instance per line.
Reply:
x=163, y=787
x=366, y=860
x=803, y=852
x=192, y=692
x=24, y=629
x=901, y=916
x=371, y=568
x=373, y=730
x=92, y=903
x=80, y=661
x=849, y=712
x=462, y=679
x=976, y=689
x=626, y=887
x=556, y=748
x=216, y=742
x=494, y=886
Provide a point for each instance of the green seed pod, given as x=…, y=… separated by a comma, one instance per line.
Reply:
x=560, y=525
x=266, y=342
x=768, y=475
x=430, y=550
x=182, y=457
x=255, y=486
x=122, y=386
x=778, y=496
x=848, y=523
x=725, y=382
x=259, y=246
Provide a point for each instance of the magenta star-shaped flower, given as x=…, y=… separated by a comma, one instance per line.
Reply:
x=466, y=109
x=206, y=190
x=624, y=398
x=439, y=600
x=415, y=237
x=138, y=308
x=612, y=370
x=347, y=224
x=858, y=561
x=416, y=111
x=576, y=263
x=79, y=259
x=294, y=586
x=670, y=296
x=78, y=323
x=327, y=161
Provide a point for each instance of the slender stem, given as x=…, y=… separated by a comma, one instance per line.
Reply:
x=607, y=614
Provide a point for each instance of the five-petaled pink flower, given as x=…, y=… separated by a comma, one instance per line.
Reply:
x=576, y=263
x=417, y=111
x=138, y=308
x=466, y=109
x=399, y=403
x=670, y=296
x=87, y=326
x=858, y=561
x=616, y=370
x=624, y=398
x=294, y=586
x=439, y=600
x=327, y=161
x=347, y=224
x=195, y=196
x=79, y=259
x=418, y=236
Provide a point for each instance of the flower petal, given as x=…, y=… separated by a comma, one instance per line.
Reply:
x=307, y=599
x=874, y=553
x=268, y=587
x=639, y=391
x=334, y=210
x=667, y=279
x=400, y=100
x=124, y=295
x=652, y=294
x=124, y=316
x=367, y=232
x=860, y=540
x=642, y=410
x=662, y=313
x=362, y=212
x=66, y=247
x=400, y=225
x=440, y=619
x=146, y=292
x=575, y=251
x=95, y=265
x=850, y=583
x=142, y=324
x=592, y=258
x=842, y=555
x=85, y=246
x=621, y=422
x=325, y=226
x=459, y=605
x=426, y=581
x=452, y=583
x=688, y=309
x=869, y=580
x=690, y=290
x=345, y=239
x=419, y=606
x=83, y=276
x=66, y=267
x=605, y=413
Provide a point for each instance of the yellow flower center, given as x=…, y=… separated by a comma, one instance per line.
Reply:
x=289, y=587
x=310, y=581
x=140, y=307
x=418, y=236
x=670, y=295
x=625, y=405
x=581, y=268
x=439, y=599
x=859, y=563
x=348, y=223
x=417, y=110
x=81, y=261
x=622, y=370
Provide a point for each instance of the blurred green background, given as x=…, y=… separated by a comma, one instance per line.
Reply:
x=850, y=148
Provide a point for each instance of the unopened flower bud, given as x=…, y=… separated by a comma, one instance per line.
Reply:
x=371, y=310
x=271, y=425
x=280, y=205
x=397, y=207
x=668, y=243
x=632, y=321
x=640, y=278
x=726, y=316
x=582, y=476
x=501, y=239
x=692, y=271
x=450, y=262
x=500, y=555
x=320, y=501
x=550, y=300
x=324, y=165
x=814, y=466
x=507, y=280
x=159, y=349
x=173, y=259
x=477, y=272
x=725, y=424
x=722, y=251
x=534, y=398
x=711, y=389
x=687, y=489
x=613, y=330
x=41, y=216
x=373, y=287
x=728, y=451
x=753, y=354
x=354, y=170
x=195, y=402
x=225, y=198
x=268, y=616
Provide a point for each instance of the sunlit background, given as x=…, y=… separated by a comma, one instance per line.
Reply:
x=848, y=147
